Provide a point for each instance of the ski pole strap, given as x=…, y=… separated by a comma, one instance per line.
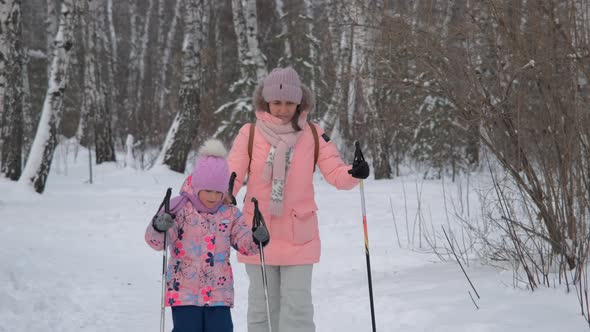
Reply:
x=232, y=180
x=358, y=154
x=257, y=214
x=167, y=200
x=316, y=142
x=258, y=218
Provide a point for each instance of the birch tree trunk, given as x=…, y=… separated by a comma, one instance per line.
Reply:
x=103, y=138
x=242, y=39
x=5, y=13
x=252, y=61
x=252, y=36
x=252, y=69
x=450, y=4
x=28, y=125
x=89, y=62
x=127, y=113
x=165, y=42
x=112, y=32
x=11, y=53
x=287, y=57
x=370, y=16
x=39, y=161
x=114, y=94
x=50, y=30
x=140, y=106
x=341, y=50
x=313, y=43
x=179, y=139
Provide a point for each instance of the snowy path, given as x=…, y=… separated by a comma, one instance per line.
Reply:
x=74, y=259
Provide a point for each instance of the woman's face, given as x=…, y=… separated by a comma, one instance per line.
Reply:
x=283, y=110
x=210, y=198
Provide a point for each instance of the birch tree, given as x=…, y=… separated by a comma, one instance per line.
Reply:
x=51, y=23
x=299, y=43
x=28, y=125
x=252, y=36
x=363, y=85
x=139, y=105
x=287, y=57
x=180, y=136
x=341, y=47
x=113, y=92
x=94, y=84
x=89, y=64
x=252, y=61
x=5, y=13
x=39, y=162
x=242, y=42
x=165, y=42
x=11, y=95
x=313, y=45
x=252, y=65
x=127, y=115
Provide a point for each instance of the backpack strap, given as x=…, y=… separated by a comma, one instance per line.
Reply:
x=251, y=144
x=316, y=142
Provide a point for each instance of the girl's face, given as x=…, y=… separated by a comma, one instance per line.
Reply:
x=210, y=198
x=283, y=110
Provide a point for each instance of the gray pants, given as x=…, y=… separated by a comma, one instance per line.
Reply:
x=289, y=295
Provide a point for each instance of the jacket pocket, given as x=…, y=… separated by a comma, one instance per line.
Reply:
x=305, y=226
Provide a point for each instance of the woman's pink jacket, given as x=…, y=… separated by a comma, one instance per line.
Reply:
x=294, y=235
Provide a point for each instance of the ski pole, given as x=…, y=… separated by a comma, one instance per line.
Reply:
x=166, y=204
x=358, y=157
x=257, y=223
x=232, y=179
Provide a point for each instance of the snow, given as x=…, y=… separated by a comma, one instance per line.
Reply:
x=75, y=259
x=37, y=54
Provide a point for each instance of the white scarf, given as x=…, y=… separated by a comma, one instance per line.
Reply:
x=282, y=138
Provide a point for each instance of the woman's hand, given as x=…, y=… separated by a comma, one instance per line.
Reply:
x=359, y=170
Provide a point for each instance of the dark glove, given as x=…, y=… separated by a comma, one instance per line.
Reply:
x=162, y=222
x=360, y=168
x=260, y=235
x=259, y=231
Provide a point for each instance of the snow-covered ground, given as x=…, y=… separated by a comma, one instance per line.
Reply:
x=74, y=259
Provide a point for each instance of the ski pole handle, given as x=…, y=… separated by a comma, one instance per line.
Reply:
x=255, y=201
x=358, y=154
x=258, y=219
x=165, y=202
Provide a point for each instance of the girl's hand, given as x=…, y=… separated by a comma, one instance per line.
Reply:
x=162, y=222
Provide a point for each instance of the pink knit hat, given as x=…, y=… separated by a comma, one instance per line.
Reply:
x=282, y=84
x=211, y=170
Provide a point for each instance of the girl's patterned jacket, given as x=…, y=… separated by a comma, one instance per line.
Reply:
x=199, y=271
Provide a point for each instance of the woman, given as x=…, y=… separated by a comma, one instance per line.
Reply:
x=280, y=175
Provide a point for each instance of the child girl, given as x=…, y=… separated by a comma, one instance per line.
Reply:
x=202, y=228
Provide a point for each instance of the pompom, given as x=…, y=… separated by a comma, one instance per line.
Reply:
x=213, y=147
